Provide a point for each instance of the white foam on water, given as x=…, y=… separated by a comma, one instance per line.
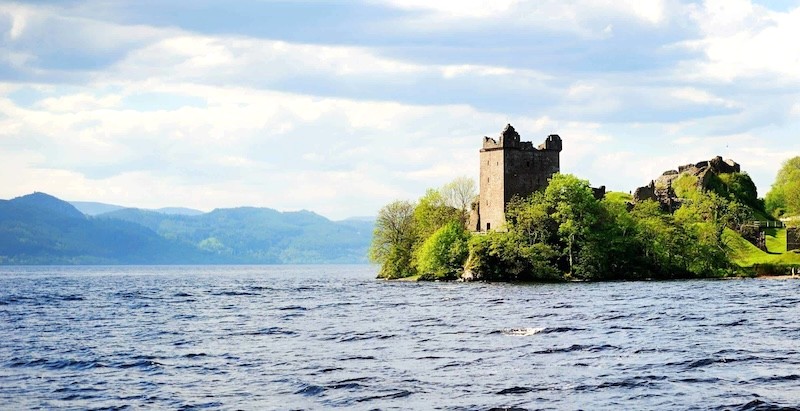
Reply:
x=522, y=332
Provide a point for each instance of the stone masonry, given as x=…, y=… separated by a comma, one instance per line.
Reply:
x=660, y=189
x=508, y=168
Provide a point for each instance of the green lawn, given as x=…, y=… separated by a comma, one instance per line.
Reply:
x=776, y=240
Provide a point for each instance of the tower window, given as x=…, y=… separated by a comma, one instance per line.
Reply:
x=488, y=226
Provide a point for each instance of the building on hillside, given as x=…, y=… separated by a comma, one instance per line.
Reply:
x=508, y=168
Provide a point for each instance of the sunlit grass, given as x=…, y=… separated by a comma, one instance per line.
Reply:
x=618, y=197
x=745, y=254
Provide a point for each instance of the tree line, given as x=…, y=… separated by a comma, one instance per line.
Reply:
x=783, y=199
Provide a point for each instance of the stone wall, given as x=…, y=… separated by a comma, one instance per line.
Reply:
x=792, y=238
x=491, y=209
x=528, y=170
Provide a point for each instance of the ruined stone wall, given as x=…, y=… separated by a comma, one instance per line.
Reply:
x=661, y=189
x=792, y=238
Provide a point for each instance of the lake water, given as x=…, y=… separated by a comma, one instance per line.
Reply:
x=312, y=337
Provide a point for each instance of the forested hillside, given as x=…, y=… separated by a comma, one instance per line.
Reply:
x=41, y=229
x=260, y=235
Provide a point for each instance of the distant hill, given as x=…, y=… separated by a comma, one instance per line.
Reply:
x=92, y=208
x=41, y=229
x=260, y=235
x=178, y=211
x=370, y=219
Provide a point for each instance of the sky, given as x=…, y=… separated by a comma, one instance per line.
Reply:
x=342, y=106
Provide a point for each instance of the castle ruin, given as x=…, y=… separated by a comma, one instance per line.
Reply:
x=508, y=168
x=660, y=190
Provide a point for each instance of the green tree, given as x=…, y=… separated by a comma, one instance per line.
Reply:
x=443, y=254
x=740, y=187
x=661, y=239
x=612, y=250
x=393, y=240
x=432, y=213
x=575, y=209
x=784, y=196
x=506, y=256
x=530, y=218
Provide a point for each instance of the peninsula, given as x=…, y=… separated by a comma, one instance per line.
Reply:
x=530, y=222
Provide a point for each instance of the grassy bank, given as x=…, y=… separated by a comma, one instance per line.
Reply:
x=747, y=255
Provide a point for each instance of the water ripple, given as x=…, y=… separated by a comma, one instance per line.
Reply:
x=313, y=337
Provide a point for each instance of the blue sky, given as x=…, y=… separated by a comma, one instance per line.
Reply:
x=342, y=106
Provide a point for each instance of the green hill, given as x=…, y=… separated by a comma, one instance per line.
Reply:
x=41, y=229
x=260, y=235
x=718, y=191
x=745, y=254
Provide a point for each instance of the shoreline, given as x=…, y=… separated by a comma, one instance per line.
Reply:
x=778, y=277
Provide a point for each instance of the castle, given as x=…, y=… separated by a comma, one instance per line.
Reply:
x=509, y=168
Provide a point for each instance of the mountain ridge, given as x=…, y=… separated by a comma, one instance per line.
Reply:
x=242, y=235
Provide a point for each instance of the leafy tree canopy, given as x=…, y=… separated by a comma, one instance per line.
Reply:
x=784, y=196
x=393, y=240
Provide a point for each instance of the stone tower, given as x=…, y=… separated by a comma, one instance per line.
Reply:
x=510, y=167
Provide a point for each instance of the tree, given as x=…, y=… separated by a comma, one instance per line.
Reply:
x=432, y=212
x=460, y=193
x=784, y=196
x=507, y=256
x=575, y=210
x=442, y=255
x=393, y=240
x=530, y=218
x=661, y=240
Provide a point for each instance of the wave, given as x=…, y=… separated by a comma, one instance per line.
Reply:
x=516, y=390
x=521, y=332
x=50, y=364
x=395, y=395
x=758, y=405
x=528, y=331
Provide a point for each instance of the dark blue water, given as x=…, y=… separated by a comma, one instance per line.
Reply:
x=330, y=336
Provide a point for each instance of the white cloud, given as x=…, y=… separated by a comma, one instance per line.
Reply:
x=695, y=95
x=741, y=40
x=457, y=8
x=79, y=102
x=556, y=15
x=205, y=121
x=245, y=60
x=19, y=18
